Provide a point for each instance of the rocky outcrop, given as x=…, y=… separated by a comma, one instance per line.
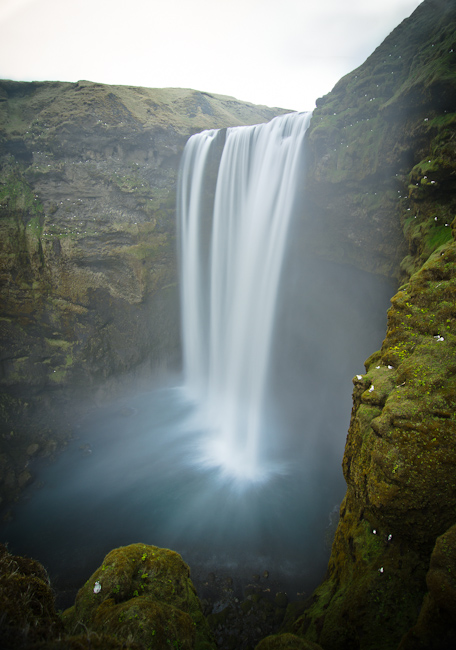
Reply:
x=87, y=246
x=381, y=153
x=385, y=139
x=27, y=610
x=140, y=597
x=142, y=594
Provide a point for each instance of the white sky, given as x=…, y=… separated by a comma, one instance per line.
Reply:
x=283, y=53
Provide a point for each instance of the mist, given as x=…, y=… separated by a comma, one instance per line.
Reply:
x=137, y=470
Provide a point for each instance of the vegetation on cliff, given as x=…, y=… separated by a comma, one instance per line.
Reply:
x=88, y=253
x=382, y=152
x=384, y=145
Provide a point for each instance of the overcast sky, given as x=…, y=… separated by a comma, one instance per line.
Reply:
x=283, y=53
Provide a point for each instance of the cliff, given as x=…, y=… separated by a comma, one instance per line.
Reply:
x=382, y=180
x=87, y=246
x=88, y=258
x=381, y=154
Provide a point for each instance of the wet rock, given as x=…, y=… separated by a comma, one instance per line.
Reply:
x=143, y=594
x=32, y=449
x=24, y=478
x=26, y=603
x=286, y=642
x=435, y=628
x=89, y=641
x=281, y=599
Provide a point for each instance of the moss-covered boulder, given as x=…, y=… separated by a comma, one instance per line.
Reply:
x=89, y=641
x=286, y=642
x=143, y=594
x=27, y=611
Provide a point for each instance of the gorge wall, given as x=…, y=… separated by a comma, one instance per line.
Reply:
x=89, y=289
x=87, y=246
x=383, y=187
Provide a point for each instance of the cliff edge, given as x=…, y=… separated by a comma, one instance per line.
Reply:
x=383, y=182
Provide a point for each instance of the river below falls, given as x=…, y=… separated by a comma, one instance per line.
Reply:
x=132, y=475
x=135, y=471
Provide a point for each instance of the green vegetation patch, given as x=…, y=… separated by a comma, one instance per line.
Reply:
x=16, y=195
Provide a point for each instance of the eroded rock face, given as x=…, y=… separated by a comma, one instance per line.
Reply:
x=87, y=245
x=381, y=156
x=389, y=129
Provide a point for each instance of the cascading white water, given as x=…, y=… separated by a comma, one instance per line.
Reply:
x=231, y=253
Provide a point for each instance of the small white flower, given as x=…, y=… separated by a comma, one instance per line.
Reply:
x=97, y=588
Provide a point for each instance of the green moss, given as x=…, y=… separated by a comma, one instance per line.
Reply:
x=152, y=624
x=146, y=594
x=26, y=603
x=16, y=195
x=62, y=344
x=286, y=642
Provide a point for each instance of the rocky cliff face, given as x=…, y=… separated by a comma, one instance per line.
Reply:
x=88, y=259
x=383, y=182
x=87, y=244
x=381, y=154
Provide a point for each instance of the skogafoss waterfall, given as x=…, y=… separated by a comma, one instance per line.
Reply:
x=232, y=243
x=245, y=475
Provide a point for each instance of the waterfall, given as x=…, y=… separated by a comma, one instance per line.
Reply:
x=232, y=239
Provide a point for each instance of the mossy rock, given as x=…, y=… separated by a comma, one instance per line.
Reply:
x=436, y=625
x=27, y=608
x=286, y=642
x=148, y=622
x=89, y=641
x=142, y=593
x=399, y=466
